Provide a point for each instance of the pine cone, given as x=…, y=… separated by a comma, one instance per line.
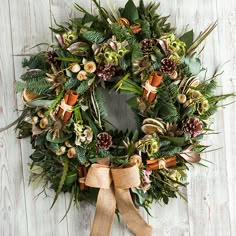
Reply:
x=193, y=126
x=51, y=58
x=106, y=72
x=104, y=141
x=168, y=66
x=148, y=44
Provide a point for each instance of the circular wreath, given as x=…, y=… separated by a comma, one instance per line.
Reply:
x=135, y=51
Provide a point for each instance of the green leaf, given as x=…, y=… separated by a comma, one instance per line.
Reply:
x=179, y=141
x=62, y=181
x=141, y=196
x=94, y=36
x=37, y=156
x=103, y=153
x=194, y=64
x=83, y=87
x=130, y=11
x=187, y=38
x=81, y=154
x=54, y=147
x=62, y=139
x=70, y=83
x=71, y=177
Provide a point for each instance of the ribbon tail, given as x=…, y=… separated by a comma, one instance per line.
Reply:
x=105, y=212
x=130, y=214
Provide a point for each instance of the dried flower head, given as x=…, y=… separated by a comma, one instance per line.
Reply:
x=82, y=75
x=75, y=67
x=90, y=67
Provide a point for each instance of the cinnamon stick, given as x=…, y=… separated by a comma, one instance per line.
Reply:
x=82, y=173
x=70, y=99
x=145, y=92
x=154, y=164
x=157, y=78
x=59, y=113
x=154, y=80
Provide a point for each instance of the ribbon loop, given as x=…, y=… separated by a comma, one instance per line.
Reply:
x=125, y=178
x=101, y=176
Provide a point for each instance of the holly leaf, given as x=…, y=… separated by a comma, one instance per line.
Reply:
x=130, y=11
x=187, y=38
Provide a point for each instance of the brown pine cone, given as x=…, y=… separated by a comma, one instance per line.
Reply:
x=193, y=126
x=106, y=72
x=104, y=141
x=168, y=66
x=148, y=44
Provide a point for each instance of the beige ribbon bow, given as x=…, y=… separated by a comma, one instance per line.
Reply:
x=102, y=176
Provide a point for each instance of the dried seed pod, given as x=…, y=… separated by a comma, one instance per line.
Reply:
x=67, y=143
x=44, y=123
x=174, y=75
x=75, y=67
x=71, y=153
x=136, y=159
x=35, y=120
x=90, y=67
x=61, y=151
x=40, y=114
x=181, y=98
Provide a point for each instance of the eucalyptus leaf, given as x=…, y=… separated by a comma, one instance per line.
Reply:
x=194, y=64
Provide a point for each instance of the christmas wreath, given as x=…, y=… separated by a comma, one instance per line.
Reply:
x=133, y=51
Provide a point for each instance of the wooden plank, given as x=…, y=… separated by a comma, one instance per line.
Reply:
x=30, y=26
x=79, y=220
x=13, y=215
x=208, y=199
x=227, y=36
x=171, y=219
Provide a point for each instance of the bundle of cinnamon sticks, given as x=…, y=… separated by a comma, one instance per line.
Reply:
x=151, y=85
x=67, y=102
x=82, y=173
x=156, y=163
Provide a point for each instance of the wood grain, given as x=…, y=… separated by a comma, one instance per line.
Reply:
x=210, y=210
x=13, y=214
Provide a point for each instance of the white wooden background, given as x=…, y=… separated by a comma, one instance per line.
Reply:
x=211, y=206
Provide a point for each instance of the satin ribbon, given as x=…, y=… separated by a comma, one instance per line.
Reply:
x=150, y=89
x=114, y=184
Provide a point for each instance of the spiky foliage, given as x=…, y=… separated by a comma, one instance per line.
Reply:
x=157, y=23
